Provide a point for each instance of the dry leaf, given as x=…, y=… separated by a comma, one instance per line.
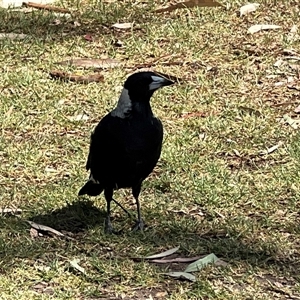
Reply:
x=77, y=78
x=122, y=25
x=34, y=233
x=12, y=36
x=79, y=117
x=10, y=210
x=55, y=22
x=75, y=265
x=295, y=67
x=289, y=52
x=293, y=123
x=278, y=63
x=297, y=109
x=41, y=227
x=271, y=149
x=257, y=28
x=163, y=254
x=175, y=260
x=203, y=262
x=91, y=63
x=294, y=29
x=293, y=36
x=190, y=3
x=76, y=24
x=161, y=294
x=248, y=8
x=88, y=37
x=182, y=275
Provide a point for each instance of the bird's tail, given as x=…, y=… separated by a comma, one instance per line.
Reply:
x=91, y=188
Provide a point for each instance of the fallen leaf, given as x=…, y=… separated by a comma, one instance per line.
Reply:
x=76, y=24
x=79, y=117
x=33, y=233
x=293, y=123
x=278, y=63
x=77, y=78
x=293, y=36
x=271, y=149
x=295, y=67
x=257, y=28
x=293, y=87
x=43, y=287
x=117, y=43
x=294, y=29
x=182, y=275
x=122, y=25
x=194, y=114
x=292, y=57
x=50, y=170
x=91, y=63
x=12, y=36
x=201, y=263
x=190, y=3
x=55, y=22
x=249, y=110
x=279, y=83
x=41, y=227
x=289, y=52
x=75, y=265
x=88, y=37
x=163, y=254
x=297, y=109
x=175, y=260
x=62, y=15
x=248, y=8
x=161, y=294
x=10, y=210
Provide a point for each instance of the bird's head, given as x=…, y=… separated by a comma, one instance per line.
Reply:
x=142, y=85
x=138, y=89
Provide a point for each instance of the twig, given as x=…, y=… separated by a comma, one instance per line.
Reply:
x=47, y=7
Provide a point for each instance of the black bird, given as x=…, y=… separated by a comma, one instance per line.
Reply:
x=126, y=144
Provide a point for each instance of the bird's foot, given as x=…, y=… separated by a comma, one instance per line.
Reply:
x=139, y=225
x=108, y=227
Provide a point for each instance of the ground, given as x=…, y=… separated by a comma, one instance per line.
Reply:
x=218, y=187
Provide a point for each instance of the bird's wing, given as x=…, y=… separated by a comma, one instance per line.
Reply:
x=103, y=145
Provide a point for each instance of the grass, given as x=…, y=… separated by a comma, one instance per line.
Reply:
x=212, y=191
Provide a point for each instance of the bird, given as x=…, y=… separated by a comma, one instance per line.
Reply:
x=126, y=144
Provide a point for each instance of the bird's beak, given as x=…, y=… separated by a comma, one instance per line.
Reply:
x=158, y=82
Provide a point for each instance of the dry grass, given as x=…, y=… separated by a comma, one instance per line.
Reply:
x=212, y=190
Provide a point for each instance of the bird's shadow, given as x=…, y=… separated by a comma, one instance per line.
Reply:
x=75, y=217
x=82, y=216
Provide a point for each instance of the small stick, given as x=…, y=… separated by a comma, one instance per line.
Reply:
x=47, y=7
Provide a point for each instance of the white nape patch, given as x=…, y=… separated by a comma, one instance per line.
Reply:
x=124, y=105
x=156, y=83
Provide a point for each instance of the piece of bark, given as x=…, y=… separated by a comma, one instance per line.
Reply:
x=77, y=78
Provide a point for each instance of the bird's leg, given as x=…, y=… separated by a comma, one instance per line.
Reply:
x=139, y=225
x=108, y=197
x=122, y=207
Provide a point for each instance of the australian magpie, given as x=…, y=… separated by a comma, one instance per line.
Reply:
x=126, y=145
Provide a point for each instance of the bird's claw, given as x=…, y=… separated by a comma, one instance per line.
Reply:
x=139, y=225
x=108, y=227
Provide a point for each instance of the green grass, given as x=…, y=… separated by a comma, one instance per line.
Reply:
x=212, y=191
